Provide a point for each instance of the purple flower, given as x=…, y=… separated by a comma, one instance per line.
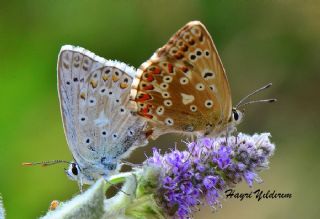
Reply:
x=209, y=182
x=207, y=168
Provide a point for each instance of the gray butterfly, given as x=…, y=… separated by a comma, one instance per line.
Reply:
x=100, y=130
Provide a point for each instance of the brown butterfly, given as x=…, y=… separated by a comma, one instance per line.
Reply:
x=183, y=87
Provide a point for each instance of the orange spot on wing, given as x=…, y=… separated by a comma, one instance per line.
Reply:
x=148, y=87
x=115, y=78
x=83, y=96
x=156, y=71
x=146, y=115
x=93, y=83
x=143, y=97
x=170, y=68
x=150, y=78
x=123, y=85
x=105, y=77
x=179, y=55
x=145, y=112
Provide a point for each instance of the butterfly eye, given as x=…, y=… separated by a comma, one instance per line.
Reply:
x=235, y=115
x=74, y=169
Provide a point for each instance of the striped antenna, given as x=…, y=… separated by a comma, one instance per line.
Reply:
x=241, y=102
x=45, y=163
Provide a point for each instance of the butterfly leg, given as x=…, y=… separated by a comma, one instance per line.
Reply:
x=80, y=184
x=227, y=134
x=237, y=133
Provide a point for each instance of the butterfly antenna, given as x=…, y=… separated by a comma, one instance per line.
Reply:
x=45, y=163
x=257, y=101
x=253, y=93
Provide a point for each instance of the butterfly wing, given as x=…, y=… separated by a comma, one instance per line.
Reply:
x=94, y=94
x=183, y=87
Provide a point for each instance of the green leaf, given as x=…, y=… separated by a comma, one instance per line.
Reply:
x=145, y=208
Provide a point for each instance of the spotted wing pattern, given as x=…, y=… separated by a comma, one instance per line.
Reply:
x=94, y=94
x=183, y=87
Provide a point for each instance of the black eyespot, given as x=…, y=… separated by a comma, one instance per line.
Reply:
x=74, y=169
x=75, y=79
x=208, y=74
x=235, y=115
x=199, y=53
x=207, y=53
x=192, y=57
x=68, y=82
x=104, y=132
x=88, y=141
x=117, y=100
x=122, y=110
x=82, y=119
x=103, y=90
x=110, y=93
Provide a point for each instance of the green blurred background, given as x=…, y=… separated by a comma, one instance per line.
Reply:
x=259, y=42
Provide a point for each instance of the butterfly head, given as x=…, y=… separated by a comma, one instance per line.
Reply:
x=236, y=116
x=73, y=171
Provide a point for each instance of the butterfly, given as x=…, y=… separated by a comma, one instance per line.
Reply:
x=183, y=87
x=100, y=130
